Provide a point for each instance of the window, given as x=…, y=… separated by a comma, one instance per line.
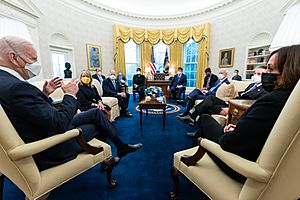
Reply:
x=190, y=60
x=132, y=60
x=59, y=57
x=159, y=55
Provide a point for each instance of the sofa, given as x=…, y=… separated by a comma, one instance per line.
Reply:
x=227, y=92
x=110, y=101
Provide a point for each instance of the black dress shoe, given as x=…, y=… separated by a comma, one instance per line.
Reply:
x=128, y=114
x=130, y=148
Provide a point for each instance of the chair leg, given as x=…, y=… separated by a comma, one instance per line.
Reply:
x=175, y=174
x=109, y=164
x=1, y=185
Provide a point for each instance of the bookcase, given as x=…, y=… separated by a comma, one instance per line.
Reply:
x=256, y=56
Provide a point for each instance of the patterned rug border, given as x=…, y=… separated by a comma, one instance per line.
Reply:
x=171, y=109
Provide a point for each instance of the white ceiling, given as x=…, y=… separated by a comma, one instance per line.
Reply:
x=160, y=7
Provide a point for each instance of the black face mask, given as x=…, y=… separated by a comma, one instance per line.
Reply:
x=268, y=81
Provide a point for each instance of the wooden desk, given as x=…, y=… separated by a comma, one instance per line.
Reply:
x=237, y=107
x=153, y=104
x=160, y=83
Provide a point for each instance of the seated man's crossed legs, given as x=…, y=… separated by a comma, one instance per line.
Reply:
x=123, y=102
x=210, y=105
x=95, y=124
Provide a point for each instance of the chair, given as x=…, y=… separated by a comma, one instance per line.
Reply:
x=134, y=92
x=17, y=164
x=275, y=174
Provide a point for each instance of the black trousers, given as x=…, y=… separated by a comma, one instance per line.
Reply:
x=210, y=129
x=141, y=91
x=94, y=124
x=210, y=105
x=123, y=102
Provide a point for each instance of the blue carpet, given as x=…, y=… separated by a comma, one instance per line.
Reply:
x=144, y=174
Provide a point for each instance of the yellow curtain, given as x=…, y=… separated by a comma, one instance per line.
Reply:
x=120, y=59
x=176, y=55
x=203, y=56
x=146, y=50
x=173, y=37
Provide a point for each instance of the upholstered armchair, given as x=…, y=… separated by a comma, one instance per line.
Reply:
x=275, y=174
x=17, y=164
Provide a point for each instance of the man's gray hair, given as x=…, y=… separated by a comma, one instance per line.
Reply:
x=12, y=43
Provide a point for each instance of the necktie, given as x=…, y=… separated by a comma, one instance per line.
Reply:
x=100, y=79
x=114, y=83
x=207, y=84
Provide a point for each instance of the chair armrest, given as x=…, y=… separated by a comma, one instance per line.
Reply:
x=244, y=167
x=32, y=148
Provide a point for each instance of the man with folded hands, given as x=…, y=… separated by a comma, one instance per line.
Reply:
x=31, y=112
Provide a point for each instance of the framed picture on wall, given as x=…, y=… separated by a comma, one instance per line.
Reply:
x=226, y=57
x=94, y=56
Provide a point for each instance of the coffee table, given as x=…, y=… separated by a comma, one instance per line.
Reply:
x=153, y=104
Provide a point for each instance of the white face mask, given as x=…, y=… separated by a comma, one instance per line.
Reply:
x=99, y=73
x=112, y=77
x=138, y=72
x=256, y=78
x=221, y=76
x=33, y=69
x=179, y=73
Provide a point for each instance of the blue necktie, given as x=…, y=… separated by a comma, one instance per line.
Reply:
x=114, y=83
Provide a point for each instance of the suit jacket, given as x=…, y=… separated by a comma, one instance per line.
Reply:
x=34, y=117
x=176, y=81
x=86, y=96
x=215, y=87
x=109, y=90
x=250, y=93
x=212, y=80
x=253, y=129
x=95, y=76
x=237, y=78
x=139, y=79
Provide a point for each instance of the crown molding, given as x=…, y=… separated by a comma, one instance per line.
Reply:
x=23, y=6
x=152, y=17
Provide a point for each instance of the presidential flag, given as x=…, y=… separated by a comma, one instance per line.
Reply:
x=152, y=63
x=166, y=61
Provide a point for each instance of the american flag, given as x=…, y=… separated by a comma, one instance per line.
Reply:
x=166, y=61
x=152, y=63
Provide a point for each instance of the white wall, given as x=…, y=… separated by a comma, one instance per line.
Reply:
x=231, y=27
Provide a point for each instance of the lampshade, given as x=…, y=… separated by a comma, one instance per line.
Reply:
x=172, y=70
x=14, y=28
x=289, y=29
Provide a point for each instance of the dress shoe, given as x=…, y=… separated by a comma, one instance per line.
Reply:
x=128, y=114
x=130, y=148
x=183, y=103
x=191, y=134
x=186, y=119
x=182, y=114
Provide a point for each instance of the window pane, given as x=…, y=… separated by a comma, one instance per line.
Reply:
x=190, y=62
x=159, y=55
x=131, y=60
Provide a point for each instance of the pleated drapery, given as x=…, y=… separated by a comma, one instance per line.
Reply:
x=173, y=37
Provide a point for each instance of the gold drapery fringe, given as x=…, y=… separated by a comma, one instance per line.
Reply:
x=173, y=37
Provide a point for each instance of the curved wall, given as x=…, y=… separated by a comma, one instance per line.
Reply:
x=232, y=26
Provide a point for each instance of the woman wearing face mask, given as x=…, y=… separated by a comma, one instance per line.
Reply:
x=139, y=83
x=248, y=137
x=88, y=95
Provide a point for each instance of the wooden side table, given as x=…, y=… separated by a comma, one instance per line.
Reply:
x=237, y=107
x=153, y=104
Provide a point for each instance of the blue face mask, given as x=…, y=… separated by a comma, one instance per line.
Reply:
x=268, y=81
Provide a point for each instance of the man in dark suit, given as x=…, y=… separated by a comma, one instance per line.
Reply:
x=178, y=82
x=213, y=105
x=209, y=79
x=202, y=94
x=98, y=76
x=32, y=114
x=112, y=88
x=236, y=75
